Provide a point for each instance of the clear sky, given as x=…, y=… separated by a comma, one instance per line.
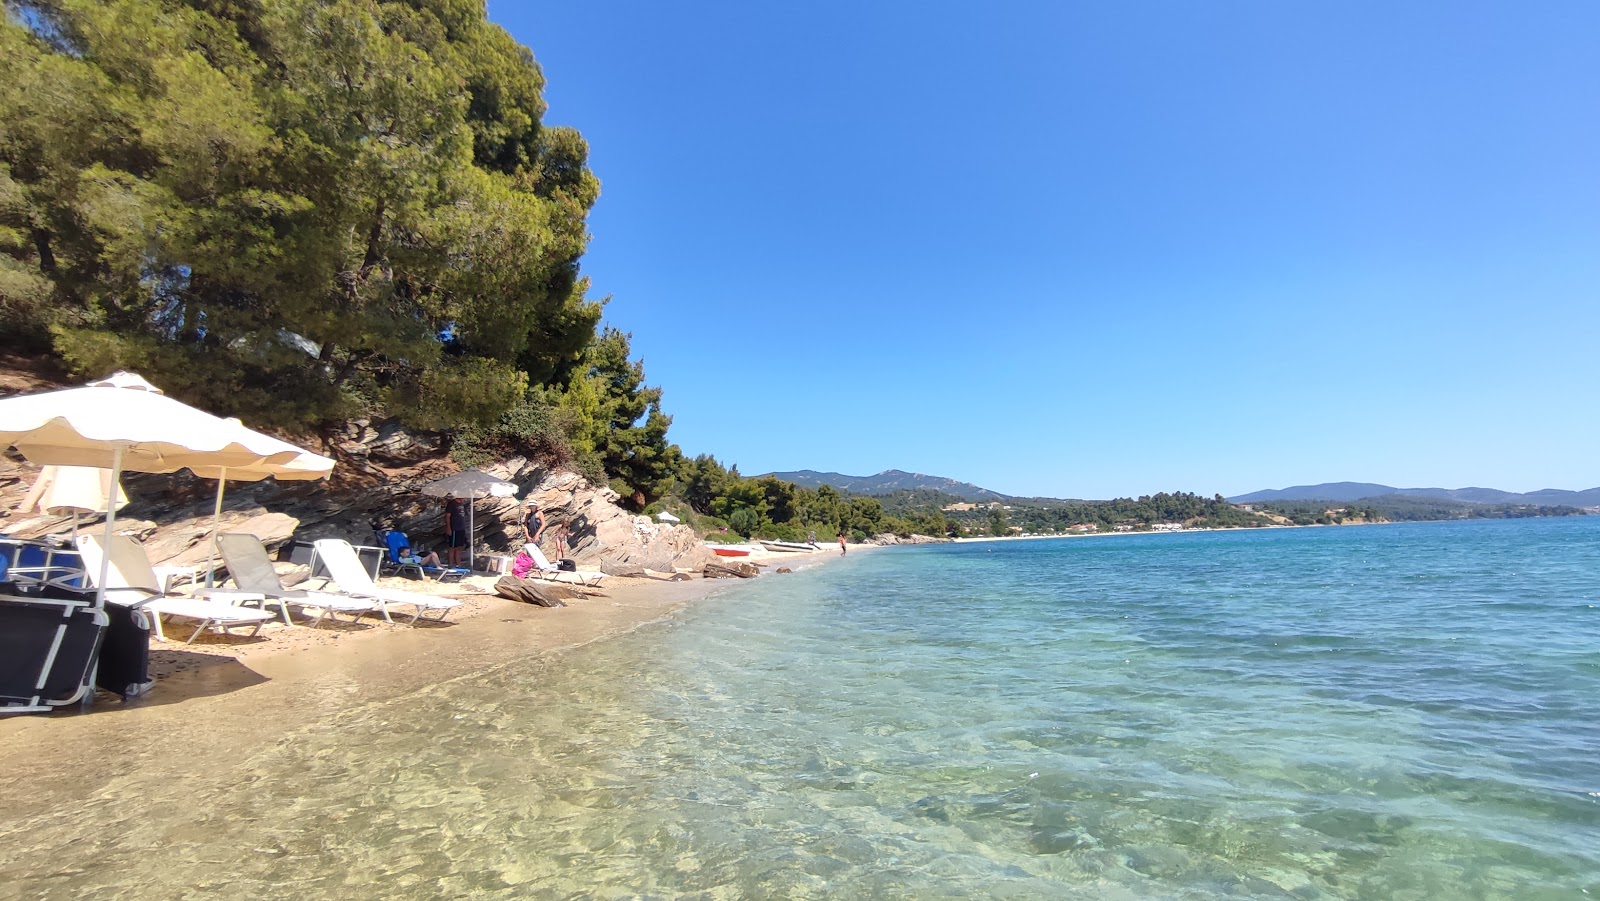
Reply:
x=1088, y=249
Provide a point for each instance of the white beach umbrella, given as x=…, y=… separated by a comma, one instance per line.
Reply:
x=75, y=490
x=664, y=516
x=122, y=424
x=470, y=485
x=303, y=466
x=125, y=423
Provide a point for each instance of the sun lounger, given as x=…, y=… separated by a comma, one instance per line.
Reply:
x=251, y=570
x=340, y=559
x=131, y=582
x=48, y=649
x=588, y=578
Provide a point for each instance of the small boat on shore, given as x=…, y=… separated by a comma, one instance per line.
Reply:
x=726, y=551
x=789, y=547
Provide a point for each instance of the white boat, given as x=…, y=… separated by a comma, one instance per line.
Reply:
x=788, y=546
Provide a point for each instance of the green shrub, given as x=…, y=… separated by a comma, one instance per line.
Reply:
x=785, y=531
x=745, y=521
x=531, y=429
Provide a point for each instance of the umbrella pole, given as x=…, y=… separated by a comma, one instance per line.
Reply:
x=472, y=531
x=111, y=529
x=216, y=518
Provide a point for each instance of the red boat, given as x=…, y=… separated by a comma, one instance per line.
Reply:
x=731, y=551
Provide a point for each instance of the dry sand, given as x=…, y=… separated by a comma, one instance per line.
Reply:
x=219, y=689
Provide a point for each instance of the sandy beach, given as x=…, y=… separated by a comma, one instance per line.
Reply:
x=222, y=693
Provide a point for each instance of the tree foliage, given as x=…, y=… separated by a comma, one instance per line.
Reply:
x=1405, y=508
x=293, y=211
x=616, y=423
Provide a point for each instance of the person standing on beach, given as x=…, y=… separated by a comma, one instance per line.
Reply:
x=455, y=524
x=561, y=540
x=532, y=523
x=842, y=533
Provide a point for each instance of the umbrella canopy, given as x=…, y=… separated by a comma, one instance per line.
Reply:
x=664, y=516
x=124, y=422
x=134, y=423
x=73, y=489
x=470, y=484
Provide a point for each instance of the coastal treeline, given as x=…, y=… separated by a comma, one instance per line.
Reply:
x=714, y=496
x=306, y=212
x=1044, y=515
x=1405, y=508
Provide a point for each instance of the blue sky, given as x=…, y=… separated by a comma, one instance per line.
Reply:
x=1099, y=249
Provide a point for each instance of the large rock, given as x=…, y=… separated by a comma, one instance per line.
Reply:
x=888, y=538
x=737, y=569
x=189, y=543
x=623, y=570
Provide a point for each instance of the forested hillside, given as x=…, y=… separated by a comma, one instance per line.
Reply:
x=1045, y=515
x=309, y=212
x=303, y=213
x=1405, y=508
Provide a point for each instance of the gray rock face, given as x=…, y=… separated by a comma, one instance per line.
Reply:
x=735, y=570
x=888, y=538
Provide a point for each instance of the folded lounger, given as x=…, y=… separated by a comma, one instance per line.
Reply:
x=48, y=649
x=251, y=570
x=132, y=582
x=588, y=578
x=340, y=559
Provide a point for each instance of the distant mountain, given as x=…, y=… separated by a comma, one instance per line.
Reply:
x=890, y=480
x=1355, y=491
x=1327, y=491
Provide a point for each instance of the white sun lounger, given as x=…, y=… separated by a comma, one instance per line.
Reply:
x=132, y=582
x=588, y=578
x=345, y=567
x=251, y=570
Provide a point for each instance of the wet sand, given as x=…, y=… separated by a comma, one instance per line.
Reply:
x=225, y=694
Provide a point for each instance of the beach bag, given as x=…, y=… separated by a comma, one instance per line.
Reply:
x=567, y=565
x=515, y=589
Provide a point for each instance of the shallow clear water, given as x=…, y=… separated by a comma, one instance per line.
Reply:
x=1389, y=712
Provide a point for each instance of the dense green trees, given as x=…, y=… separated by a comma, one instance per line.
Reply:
x=295, y=211
x=768, y=507
x=1042, y=515
x=616, y=424
x=1405, y=508
x=305, y=211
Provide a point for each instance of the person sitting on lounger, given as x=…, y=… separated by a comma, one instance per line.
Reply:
x=405, y=554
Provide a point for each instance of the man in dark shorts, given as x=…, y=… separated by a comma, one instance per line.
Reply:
x=532, y=522
x=455, y=518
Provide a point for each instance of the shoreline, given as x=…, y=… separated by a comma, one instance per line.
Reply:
x=1174, y=531
x=219, y=691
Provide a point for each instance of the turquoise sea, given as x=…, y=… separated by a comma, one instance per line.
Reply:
x=1387, y=712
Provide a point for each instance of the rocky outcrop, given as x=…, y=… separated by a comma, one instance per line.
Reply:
x=381, y=471
x=888, y=538
x=737, y=569
x=600, y=532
